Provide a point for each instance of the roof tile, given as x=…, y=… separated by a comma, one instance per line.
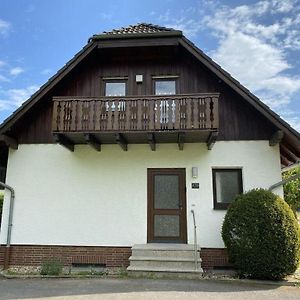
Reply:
x=139, y=28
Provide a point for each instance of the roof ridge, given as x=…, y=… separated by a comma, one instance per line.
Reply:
x=138, y=28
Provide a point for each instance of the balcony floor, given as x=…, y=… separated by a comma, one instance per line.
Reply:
x=69, y=139
x=141, y=137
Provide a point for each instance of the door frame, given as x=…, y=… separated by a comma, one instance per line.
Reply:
x=151, y=172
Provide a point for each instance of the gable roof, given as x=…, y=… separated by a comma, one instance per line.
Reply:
x=144, y=30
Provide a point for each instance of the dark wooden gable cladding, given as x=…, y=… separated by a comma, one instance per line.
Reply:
x=238, y=120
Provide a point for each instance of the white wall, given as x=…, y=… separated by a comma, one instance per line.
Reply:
x=100, y=198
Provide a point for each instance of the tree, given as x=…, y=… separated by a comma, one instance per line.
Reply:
x=292, y=190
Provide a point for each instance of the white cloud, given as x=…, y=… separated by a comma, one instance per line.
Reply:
x=255, y=52
x=166, y=17
x=258, y=66
x=283, y=6
x=13, y=98
x=46, y=71
x=248, y=58
x=292, y=117
x=16, y=71
x=184, y=22
x=254, y=44
x=18, y=96
x=3, y=78
x=189, y=27
x=106, y=16
x=2, y=63
x=4, y=27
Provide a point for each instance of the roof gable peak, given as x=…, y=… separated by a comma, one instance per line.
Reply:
x=137, y=30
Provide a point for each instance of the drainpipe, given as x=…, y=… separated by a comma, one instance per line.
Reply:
x=282, y=182
x=10, y=216
x=293, y=166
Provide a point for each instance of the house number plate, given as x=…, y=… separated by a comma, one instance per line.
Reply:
x=195, y=185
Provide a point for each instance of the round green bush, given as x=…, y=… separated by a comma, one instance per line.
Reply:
x=262, y=236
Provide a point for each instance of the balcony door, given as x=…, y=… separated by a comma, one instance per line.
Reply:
x=166, y=206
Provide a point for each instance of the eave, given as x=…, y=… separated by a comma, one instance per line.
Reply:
x=124, y=36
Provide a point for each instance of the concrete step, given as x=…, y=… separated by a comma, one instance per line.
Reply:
x=164, y=246
x=164, y=250
x=164, y=258
x=166, y=264
x=166, y=270
x=157, y=258
x=164, y=275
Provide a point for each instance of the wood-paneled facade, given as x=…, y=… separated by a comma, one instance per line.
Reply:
x=237, y=119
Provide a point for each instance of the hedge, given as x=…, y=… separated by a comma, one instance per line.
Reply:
x=262, y=236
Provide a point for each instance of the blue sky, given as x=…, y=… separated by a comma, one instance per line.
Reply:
x=258, y=42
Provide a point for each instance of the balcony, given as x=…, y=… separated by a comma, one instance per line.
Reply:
x=145, y=119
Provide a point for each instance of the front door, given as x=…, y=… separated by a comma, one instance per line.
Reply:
x=166, y=206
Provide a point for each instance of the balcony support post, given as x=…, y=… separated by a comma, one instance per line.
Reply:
x=9, y=141
x=121, y=141
x=92, y=141
x=212, y=139
x=151, y=141
x=276, y=138
x=64, y=141
x=181, y=139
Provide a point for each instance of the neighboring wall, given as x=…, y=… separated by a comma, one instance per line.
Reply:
x=100, y=198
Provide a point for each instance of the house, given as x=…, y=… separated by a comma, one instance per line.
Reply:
x=135, y=149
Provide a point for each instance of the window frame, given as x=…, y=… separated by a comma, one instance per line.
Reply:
x=165, y=78
x=121, y=80
x=220, y=205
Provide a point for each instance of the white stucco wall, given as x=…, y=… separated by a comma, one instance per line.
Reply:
x=100, y=198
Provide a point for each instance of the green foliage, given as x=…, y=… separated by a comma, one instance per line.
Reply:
x=51, y=267
x=262, y=236
x=1, y=206
x=292, y=190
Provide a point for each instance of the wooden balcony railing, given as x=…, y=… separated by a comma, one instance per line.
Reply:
x=145, y=113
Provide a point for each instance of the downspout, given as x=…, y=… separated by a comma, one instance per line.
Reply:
x=10, y=217
x=282, y=182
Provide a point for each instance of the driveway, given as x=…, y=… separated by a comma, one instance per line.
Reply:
x=105, y=289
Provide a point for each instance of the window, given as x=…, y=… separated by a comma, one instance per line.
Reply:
x=227, y=184
x=115, y=89
x=165, y=87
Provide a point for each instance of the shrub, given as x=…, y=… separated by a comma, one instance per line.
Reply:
x=51, y=267
x=292, y=190
x=1, y=206
x=262, y=236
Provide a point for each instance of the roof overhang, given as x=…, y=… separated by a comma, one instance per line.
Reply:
x=124, y=36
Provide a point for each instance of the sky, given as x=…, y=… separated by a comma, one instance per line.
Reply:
x=257, y=42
